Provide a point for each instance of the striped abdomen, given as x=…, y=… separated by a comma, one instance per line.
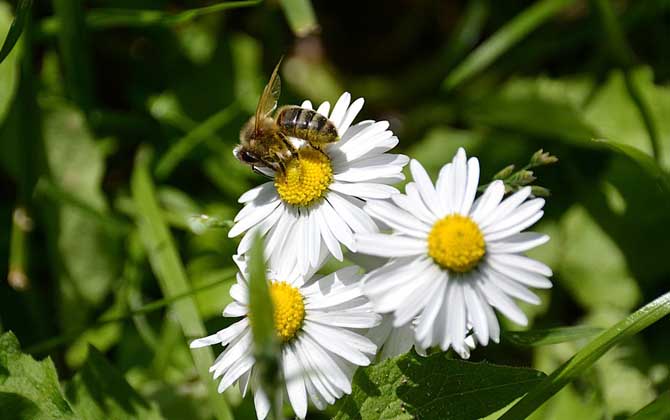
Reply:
x=307, y=125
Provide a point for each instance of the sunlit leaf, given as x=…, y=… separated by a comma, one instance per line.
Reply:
x=29, y=386
x=411, y=386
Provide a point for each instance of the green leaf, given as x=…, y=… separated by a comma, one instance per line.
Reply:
x=411, y=386
x=99, y=391
x=659, y=409
x=506, y=37
x=29, y=386
x=169, y=270
x=300, y=16
x=9, y=63
x=550, y=335
x=16, y=28
x=587, y=356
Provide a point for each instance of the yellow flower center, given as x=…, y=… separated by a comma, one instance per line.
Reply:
x=456, y=243
x=306, y=179
x=289, y=310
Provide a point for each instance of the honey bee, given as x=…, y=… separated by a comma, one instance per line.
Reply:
x=264, y=140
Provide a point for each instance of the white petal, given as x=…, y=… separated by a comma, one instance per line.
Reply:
x=241, y=366
x=471, y=186
x=351, y=114
x=344, y=343
x=337, y=226
x=521, y=275
x=413, y=204
x=330, y=241
x=491, y=320
x=488, y=202
x=427, y=283
x=339, y=110
x=324, y=109
x=369, y=168
x=313, y=239
x=306, y=104
x=514, y=289
x=520, y=242
x=426, y=188
x=525, y=211
x=295, y=385
x=457, y=317
x=477, y=314
x=325, y=364
x=498, y=299
x=397, y=218
x=389, y=246
x=502, y=234
x=427, y=320
x=259, y=191
x=352, y=215
x=364, y=189
x=235, y=309
x=400, y=341
x=224, y=336
x=262, y=403
x=262, y=229
x=258, y=214
x=459, y=179
x=521, y=262
x=506, y=207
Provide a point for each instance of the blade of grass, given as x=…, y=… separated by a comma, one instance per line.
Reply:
x=115, y=18
x=300, y=16
x=656, y=410
x=169, y=270
x=47, y=345
x=182, y=147
x=623, y=55
x=504, y=39
x=587, y=356
x=266, y=346
x=72, y=42
x=550, y=335
x=21, y=16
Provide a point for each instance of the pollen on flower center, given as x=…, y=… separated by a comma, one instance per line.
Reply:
x=456, y=243
x=306, y=179
x=289, y=310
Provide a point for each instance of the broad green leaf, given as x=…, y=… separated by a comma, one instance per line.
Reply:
x=411, y=386
x=592, y=267
x=300, y=16
x=659, y=409
x=169, y=270
x=29, y=386
x=16, y=28
x=99, y=391
x=585, y=358
x=89, y=252
x=550, y=335
x=506, y=37
x=9, y=63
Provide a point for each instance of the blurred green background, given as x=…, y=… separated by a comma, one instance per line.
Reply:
x=102, y=99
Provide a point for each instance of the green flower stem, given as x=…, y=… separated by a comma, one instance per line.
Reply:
x=586, y=357
x=508, y=36
x=169, y=270
x=300, y=16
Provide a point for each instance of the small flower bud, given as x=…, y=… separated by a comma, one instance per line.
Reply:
x=538, y=191
x=541, y=158
x=504, y=173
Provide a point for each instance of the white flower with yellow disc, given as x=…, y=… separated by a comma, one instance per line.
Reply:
x=320, y=323
x=318, y=202
x=453, y=257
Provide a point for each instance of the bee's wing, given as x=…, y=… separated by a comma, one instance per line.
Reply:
x=268, y=101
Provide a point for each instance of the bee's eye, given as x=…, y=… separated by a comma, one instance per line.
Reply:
x=248, y=157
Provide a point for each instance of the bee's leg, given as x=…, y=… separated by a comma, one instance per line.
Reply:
x=292, y=150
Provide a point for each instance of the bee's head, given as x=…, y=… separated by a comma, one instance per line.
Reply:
x=246, y=156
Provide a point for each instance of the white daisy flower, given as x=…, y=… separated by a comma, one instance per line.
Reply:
x=320, y=324
x=318, y=202
x=454, y=257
